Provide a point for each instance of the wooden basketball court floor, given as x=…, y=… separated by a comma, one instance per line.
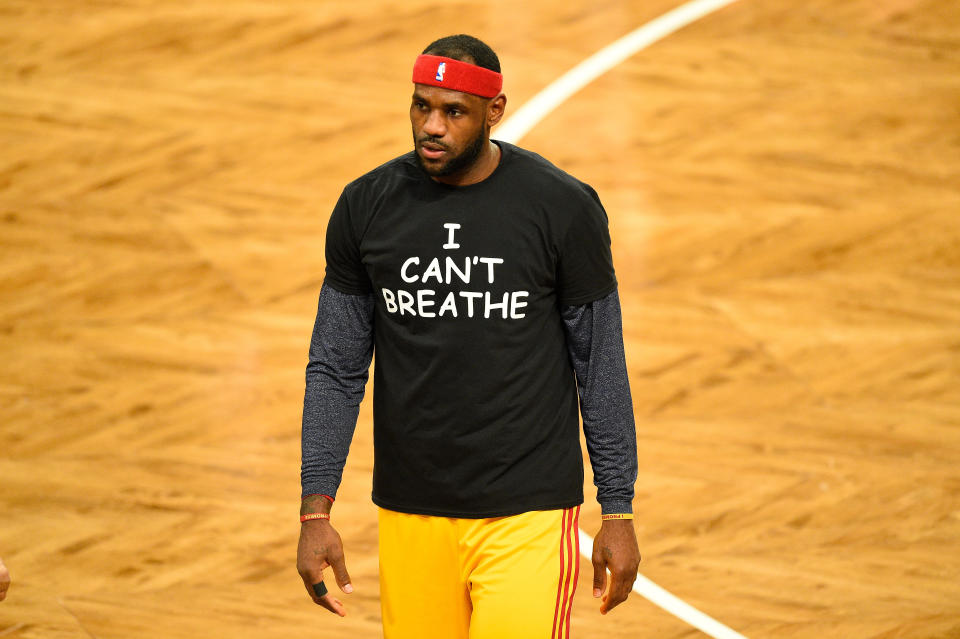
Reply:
x=783, y=186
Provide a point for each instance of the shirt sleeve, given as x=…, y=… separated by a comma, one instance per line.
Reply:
x=341, y=349
x=345, y=271
x=595, y=343
x=585, y=266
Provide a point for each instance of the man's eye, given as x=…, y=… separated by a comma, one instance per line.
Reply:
x=453, y=112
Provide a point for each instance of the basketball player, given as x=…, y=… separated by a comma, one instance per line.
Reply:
x=482, y=277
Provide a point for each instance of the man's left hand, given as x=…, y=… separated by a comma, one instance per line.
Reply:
x=615, y=548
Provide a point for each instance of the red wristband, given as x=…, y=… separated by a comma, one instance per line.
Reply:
x=310, y=516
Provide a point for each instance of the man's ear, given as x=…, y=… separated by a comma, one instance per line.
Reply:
x=495, y=109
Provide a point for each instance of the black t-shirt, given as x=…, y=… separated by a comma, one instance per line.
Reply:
x=474, y=396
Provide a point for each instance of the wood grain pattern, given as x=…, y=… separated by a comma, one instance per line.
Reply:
x=783, y=186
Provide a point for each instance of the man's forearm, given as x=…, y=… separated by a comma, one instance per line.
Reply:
x=595, y=343
x=316, y=504
x=340, y=352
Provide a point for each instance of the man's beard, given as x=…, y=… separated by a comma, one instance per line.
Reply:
x=457, y=163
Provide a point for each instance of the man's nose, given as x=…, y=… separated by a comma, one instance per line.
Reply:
x=434, y=126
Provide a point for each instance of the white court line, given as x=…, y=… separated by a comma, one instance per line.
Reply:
x=527, y=117
x=540, y=105
x=671, y=603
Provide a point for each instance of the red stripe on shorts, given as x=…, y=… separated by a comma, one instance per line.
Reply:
x=575, y=531
x=568, y=543
x=563, y=568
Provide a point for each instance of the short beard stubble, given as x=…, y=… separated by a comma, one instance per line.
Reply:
x=457, y=163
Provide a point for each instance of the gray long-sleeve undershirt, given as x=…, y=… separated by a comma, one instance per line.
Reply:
x=340, y=353
x=595, y=343
x=341, y=349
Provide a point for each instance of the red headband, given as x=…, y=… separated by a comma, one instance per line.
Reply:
x=457, y=76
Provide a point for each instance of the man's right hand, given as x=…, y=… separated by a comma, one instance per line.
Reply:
x=320, y=547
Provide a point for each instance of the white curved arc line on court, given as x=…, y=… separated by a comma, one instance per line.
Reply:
x=527, y=117
x=556, y=93
x=669, y=602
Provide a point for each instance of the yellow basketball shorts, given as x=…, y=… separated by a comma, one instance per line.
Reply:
x=497, y=578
